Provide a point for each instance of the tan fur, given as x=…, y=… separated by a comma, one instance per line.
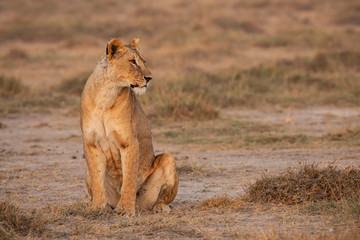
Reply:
x=122, y=170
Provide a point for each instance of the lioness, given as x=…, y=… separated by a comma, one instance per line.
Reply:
x=122, y=169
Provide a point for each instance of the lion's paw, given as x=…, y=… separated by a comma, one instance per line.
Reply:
x=98, y=205
x=124, y=210
x=161, y=208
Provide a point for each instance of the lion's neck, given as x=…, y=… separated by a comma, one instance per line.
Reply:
x=108, y=90
x=110, y=93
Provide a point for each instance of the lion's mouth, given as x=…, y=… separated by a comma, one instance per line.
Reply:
x=137, y=86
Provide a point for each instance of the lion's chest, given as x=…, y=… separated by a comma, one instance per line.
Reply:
x=110, y=133
x=100, y=133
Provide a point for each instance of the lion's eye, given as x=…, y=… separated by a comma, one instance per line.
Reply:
x=133, y=61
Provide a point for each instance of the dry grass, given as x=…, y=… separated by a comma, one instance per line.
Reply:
x=15, y=221
x=228, y=133
x=344, y=208
x=80, y=209
x=74, y=85
x=231, y=217
x=301, y=82
x=15, y=97
x=309, y=183
x=193, y=220
x=293, y=235
x=348, y=135
x=326, y=79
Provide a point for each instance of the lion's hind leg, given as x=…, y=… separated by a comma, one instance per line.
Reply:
x=160, y=188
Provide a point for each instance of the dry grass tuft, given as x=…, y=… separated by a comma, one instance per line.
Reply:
x=74, y=85
x=192, y=168
x=330, y=61
x=83, y=210
x=221, y=202
x=309, y=183
x=10, y=87
x=343, y=134
x=17, y=54
x=14, y=221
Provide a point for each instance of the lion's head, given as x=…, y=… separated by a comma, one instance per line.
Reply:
x=127, y=65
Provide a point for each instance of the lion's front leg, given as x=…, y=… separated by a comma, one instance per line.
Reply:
x=96, y=164
x=129, y=162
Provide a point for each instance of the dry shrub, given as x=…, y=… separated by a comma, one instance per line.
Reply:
x=309, y=183
x=14, y=221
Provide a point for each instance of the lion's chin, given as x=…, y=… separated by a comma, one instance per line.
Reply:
x=139, y=91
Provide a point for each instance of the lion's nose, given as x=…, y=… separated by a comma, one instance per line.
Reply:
x=148, y=79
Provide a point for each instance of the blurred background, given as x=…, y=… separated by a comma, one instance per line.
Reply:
x=205, y=55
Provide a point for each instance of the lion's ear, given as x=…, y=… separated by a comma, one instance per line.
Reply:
x=135, y=43
x=114, y=46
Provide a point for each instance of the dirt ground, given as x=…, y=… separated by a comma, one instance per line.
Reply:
x=42, y=164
